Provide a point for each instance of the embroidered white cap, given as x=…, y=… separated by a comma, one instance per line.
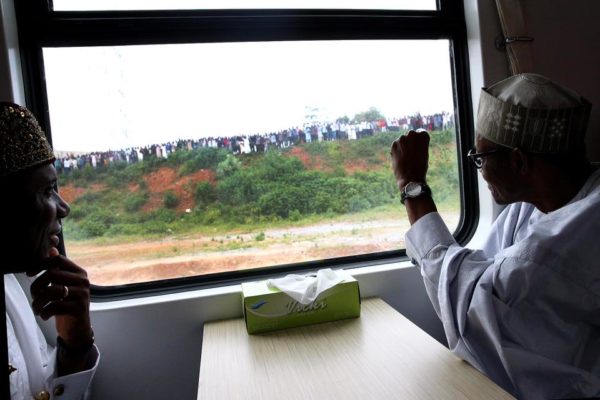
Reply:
x=533, y=113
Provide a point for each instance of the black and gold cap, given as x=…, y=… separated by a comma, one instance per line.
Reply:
x=23, y=144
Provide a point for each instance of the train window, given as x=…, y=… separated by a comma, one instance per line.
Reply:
x=89, y=5
x=201, y=148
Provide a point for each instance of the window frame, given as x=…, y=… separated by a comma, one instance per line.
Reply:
x=39, y=26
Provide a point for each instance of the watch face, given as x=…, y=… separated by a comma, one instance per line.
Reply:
x=413, y=189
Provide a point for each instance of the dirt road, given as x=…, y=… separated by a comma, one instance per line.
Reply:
x=179, y=256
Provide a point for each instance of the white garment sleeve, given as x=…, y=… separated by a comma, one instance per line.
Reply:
x=74, y=386
x=450, y=273
x=36, y=360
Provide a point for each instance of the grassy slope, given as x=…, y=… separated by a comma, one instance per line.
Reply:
x=301, y=185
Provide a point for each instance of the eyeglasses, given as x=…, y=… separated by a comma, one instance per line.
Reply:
x=478, y=158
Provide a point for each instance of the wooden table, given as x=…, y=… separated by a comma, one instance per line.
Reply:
x=381, y=355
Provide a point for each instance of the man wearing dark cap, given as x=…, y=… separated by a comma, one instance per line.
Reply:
x=524, y=309
x=60, y=289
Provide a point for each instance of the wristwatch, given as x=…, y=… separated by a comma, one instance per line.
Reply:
x=414, y=189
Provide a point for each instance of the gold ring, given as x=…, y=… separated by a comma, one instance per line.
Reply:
x=65, y=292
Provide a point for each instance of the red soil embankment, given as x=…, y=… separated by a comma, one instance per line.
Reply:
x=166, y=179
x=70, y=193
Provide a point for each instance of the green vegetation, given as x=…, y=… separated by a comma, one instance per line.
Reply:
x=170, y=199
x=254, y=190
x=135, y=201
x=205, y=195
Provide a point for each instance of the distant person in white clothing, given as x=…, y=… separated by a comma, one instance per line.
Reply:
x=29, y=242
x=524, y=309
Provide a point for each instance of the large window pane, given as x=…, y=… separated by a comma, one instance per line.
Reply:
x=91, y=5
x=183, y=160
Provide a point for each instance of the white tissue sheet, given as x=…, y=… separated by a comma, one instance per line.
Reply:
x=306, y=288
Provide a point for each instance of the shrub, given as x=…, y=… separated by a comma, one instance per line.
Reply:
x=358, y=203
x=241, y=214
x=205, y=194
x=135, y=201
x=204, y=158
x=228, y=166
x=120, y=174
x=156, y=227
x=170, y=199
x=211, y=216
x=260, y=237
x=93, y=227
x=161, y=216
x=239, y=188
x=125, y=229
x=281, y=200
x=275, y=167
x=321, y=203
x=90, y=197
x=295, y=215
x=77, y=212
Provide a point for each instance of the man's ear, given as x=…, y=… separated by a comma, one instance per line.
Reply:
x=520, y=161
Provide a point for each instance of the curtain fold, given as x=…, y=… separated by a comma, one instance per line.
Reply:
x=512, y=20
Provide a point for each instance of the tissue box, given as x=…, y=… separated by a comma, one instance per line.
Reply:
x=267, y=309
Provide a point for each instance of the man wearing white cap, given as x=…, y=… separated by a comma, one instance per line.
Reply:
x=524, y=309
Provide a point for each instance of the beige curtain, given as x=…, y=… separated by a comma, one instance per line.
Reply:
x=518, y=48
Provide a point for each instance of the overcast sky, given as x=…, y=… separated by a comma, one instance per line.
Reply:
x=115, y=97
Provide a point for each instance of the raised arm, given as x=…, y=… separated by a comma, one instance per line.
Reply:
x=410, y=158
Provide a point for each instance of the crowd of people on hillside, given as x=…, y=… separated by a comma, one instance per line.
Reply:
x=310, y=132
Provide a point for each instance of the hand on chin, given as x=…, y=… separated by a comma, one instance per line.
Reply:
x=35, y=270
